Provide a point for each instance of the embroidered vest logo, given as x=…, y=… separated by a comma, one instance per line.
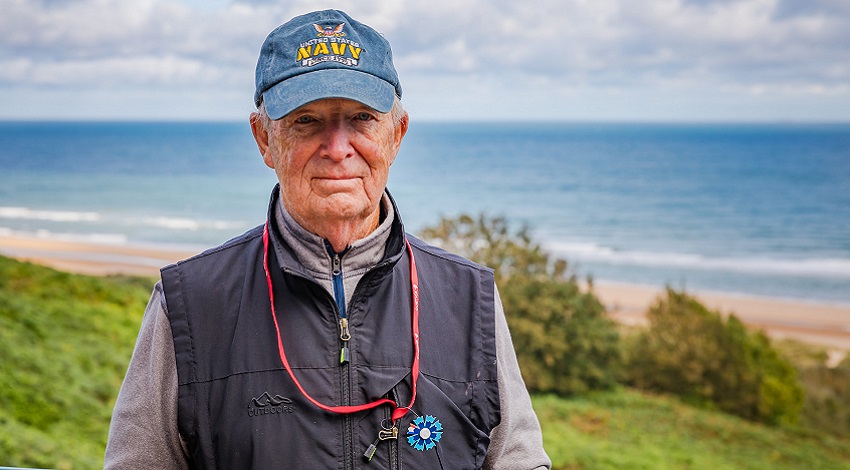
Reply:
x=265, y=404
x=329, y=46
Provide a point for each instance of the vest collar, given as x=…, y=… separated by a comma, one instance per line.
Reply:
x=300, y=251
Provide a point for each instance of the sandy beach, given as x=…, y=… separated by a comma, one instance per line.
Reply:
x=818, y=323
x=90, y=258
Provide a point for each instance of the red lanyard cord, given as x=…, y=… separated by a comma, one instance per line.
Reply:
x=398, y=411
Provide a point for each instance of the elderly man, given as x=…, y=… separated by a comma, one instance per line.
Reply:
x=326, y=337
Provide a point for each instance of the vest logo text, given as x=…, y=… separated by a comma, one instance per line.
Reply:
x=265, y=404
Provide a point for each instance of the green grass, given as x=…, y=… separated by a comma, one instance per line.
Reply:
x=626, y=429
x=65, y=341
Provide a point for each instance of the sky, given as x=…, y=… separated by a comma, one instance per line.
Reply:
x=507, y=60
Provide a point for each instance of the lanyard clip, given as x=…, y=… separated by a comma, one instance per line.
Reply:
x=383, y=435
x=386, y=434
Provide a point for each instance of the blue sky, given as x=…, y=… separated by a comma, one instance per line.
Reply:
x=577, y=60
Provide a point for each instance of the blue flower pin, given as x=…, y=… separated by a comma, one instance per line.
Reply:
x=424, y=433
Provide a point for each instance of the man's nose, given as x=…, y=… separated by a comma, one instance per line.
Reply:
x=337, y=141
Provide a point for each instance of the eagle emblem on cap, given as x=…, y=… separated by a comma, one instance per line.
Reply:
x=329, y=31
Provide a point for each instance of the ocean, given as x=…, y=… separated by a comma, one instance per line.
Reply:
x=761, y=209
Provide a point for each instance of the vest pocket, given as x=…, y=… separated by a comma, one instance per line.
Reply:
x=438, y=433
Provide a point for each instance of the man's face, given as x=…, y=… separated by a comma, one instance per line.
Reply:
x=332, y=158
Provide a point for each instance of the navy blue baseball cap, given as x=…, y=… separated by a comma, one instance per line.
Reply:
x=325, y=54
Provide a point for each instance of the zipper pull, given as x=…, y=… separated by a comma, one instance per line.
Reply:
x=337, y=265
x=383, y=435
x=344, y=335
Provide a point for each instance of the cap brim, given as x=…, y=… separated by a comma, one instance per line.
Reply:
x=294, y=92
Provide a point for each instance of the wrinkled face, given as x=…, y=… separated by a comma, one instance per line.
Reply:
x=332, y=158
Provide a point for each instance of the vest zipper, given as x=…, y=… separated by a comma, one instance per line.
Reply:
x=345, y=370
x=339, y=297
x=345, y=336
x=394, y=458
x=348, y=432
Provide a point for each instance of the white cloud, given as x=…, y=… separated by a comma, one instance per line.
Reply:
x=546, y=50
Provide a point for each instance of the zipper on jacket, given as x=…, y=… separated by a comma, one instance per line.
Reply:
x=348, y=433
x=345, y=369
x=395, y=463
x=339, y=297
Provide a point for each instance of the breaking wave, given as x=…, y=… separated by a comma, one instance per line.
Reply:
x=591, y=252
x=50, y=215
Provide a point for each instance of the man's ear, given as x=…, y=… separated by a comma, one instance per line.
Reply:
x=399, y=132
x=261, y=136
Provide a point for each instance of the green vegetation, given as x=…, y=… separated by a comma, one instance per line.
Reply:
x=632, y=430
x=710, y=361
x=65, y=341
x=826, y=406
x=565, y=344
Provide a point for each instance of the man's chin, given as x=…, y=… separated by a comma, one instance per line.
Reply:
x=344, y=206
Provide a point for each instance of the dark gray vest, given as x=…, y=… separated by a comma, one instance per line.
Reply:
x=238, y=408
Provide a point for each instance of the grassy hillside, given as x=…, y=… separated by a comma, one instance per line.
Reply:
x=626, y=429
x=65, y=341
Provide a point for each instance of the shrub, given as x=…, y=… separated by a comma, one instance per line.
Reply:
x=696, y=354
x=827, y=396
x=563, y=340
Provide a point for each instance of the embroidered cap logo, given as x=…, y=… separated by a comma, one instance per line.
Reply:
x=329, y=46
x=329, y=32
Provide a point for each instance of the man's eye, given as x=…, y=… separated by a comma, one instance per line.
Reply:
x=304, y=119
x=364, y=116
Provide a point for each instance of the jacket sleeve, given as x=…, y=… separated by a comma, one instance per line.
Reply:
x=143, y=432
x=517, y=442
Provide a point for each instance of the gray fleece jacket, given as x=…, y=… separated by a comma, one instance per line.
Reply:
x=143, y=432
